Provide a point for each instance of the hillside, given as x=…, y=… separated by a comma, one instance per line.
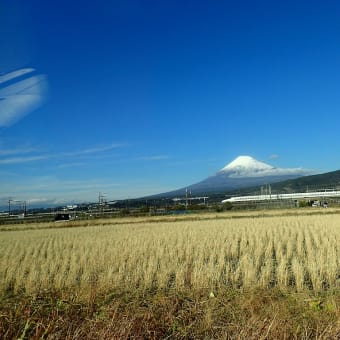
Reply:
x=329, y=180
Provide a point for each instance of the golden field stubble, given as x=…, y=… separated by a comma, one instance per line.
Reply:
x=300, y=252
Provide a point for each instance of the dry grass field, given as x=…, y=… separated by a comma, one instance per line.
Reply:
x=214, y=275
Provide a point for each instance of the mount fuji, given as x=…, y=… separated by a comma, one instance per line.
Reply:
x=246, y=166
x=242, y=172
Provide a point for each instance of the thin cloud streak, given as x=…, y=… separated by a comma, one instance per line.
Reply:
x=22, y=97
x=17, y=160
x=17, y=151
x=153, y=158
x=18, y=73
x=94, y=150
x=70, y=165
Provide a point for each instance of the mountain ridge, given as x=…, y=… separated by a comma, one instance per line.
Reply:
x=242, y=172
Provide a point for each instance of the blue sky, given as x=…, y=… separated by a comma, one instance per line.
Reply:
x=149, y=96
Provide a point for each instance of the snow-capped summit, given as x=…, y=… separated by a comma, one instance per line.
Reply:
x=246, y=166
x=246, y=163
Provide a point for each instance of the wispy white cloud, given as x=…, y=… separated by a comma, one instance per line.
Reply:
x=7, y=150
x=62, y=155
x=70, y=165
x=15, y=74
x=21, y=97
x=74, y=158
x=18, y=160
x=17, y=151
x=153, y=158
x=274, y=156
x=46, y=189
x=96, y=149
x=272, y=172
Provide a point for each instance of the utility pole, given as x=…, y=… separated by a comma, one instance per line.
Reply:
x=9, y=206
x=101, y=202
x=186, y=199
x=25, y=208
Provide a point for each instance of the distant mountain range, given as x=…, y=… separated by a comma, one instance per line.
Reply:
x=242, y=172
